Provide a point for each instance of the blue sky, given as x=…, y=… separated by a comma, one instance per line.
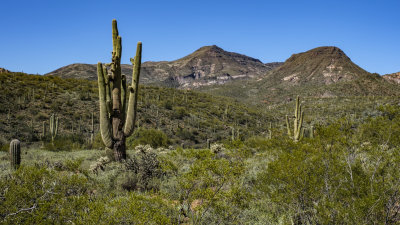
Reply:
x=40, y=36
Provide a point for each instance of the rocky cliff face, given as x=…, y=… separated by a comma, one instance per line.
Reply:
x=207, y=66
x=394, y=77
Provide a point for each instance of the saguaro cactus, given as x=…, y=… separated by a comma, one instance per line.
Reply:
x=312, y=132
x=53, y=127
x=117, y=118
x=15, y=153
x=92, y=131
x=298, y=130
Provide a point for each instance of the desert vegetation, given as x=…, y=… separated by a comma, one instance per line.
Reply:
x=82, y=152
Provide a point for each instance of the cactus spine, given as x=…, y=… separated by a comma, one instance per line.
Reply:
x=53, y=127
x=298, y=131
x=117, y=116
x=15, y=153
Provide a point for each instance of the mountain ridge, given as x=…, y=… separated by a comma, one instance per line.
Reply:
x=206, y=66
x=323, y=72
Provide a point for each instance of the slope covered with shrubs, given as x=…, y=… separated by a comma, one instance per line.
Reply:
x=347, y=174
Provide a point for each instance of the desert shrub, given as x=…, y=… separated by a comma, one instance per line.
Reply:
x=179, y=113
x=146, y=170
x=185, y=134
x=65, y=143
x=139, y=209
x=207, y=187
x=153, y=137
x=98, y=142
x=319, y=181
x=35, y=195
x=168, y=105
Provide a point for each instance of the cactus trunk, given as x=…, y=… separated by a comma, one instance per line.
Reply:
x=15, y=153
x=298, y=131
x=53, y=127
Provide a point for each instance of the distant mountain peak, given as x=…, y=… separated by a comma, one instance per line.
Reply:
x=209, y=48
x=213, y=51
x=332, y=52
x=324, y=65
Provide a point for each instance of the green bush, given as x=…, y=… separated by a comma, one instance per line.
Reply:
x=153, y=137
x=321, y=180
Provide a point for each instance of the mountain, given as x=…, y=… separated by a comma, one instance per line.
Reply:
x=393, y=77
x=2, y=70
x=320, y=72
x=322, y=65
x=206, y=66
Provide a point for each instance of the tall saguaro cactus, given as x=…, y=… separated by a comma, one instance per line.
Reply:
x=15, y=153
x=298, y=130
x=117, y=116
x=53, y=127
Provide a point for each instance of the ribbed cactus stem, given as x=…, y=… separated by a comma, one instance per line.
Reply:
x=298, y=131
x=289, y=132
x=270, y=131
x=44, y=129
x=312, y=132
x=92, y=131
x=15, y=153
x=53, y=127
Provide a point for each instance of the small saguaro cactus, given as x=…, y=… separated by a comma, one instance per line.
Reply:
x=117, y=114
x=270, y=131
x=298, y=131
x=92, y=130
x=312, y=131
x=53, y=127
x=43, y=135
x=15, y=153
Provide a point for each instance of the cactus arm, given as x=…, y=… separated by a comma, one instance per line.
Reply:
x=107, y=80
x=288, y=126
x=301, y=134
x=296, y=117
x=51, y=125
x=114, y=33
x=133, y=93
x=300, y=131
x=123, y=96
x=56, y=128
x=105, y=127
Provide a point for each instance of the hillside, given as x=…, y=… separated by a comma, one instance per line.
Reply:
x=206, y=66
x=186, y=117
x=393, y=77
x=322, y=72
